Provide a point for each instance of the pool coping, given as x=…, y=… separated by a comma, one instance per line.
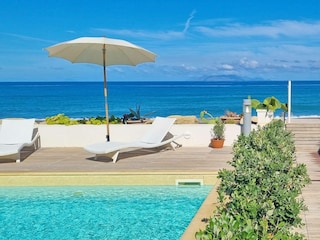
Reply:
x=204, y=212
x=104, y=178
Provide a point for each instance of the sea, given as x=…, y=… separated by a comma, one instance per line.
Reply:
x=154, y=98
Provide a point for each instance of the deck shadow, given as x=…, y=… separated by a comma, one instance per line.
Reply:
x=130, y=154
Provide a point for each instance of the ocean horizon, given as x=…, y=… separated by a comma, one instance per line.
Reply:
x=160, y=98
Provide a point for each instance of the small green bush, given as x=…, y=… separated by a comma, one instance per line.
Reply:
x=60, y=119
x=258, y=199
x=218, y=130
x=65, y=120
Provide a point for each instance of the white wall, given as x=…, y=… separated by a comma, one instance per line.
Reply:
x=81, y=135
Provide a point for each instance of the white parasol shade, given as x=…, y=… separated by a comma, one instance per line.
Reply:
x=102, y=51
x=89, y=50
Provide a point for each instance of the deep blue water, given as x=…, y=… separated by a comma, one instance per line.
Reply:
x=86, y=99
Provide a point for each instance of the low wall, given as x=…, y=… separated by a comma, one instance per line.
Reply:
x=81, y=135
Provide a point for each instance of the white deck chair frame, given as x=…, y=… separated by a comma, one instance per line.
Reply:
x=155, y=137
x=15, y=134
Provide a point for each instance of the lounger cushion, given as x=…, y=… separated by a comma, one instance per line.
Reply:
x=16, y=131
x=9, y=149
x=154, y=138
x=159, y=129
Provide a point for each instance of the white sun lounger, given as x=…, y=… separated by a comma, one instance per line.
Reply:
x=155, y=137
x=15, y=134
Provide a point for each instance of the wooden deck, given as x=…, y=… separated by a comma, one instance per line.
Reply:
x=184, y=161
x=311, y=193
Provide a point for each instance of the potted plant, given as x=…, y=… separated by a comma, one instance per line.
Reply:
x=265, y=110
x=135, y=116
x=217, y=134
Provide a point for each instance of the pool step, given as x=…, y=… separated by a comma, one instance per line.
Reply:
x=189, y=182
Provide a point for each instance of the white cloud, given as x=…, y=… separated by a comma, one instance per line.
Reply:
x=246, y=63
x=26, y=37
x=271, y=29
x=227, y=67
x=147, y=34
x=187, y=24
x=141, y=34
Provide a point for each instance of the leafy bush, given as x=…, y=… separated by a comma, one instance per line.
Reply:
x=65, y=120
x=269, y=103
x=60, y=119
x=258, y=199
x=210, y=119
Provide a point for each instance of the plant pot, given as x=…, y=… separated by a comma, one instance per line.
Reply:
x=217, y=143
x=264, y=116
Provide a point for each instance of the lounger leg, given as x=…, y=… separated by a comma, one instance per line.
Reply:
x=115, y=157
x=177, y=145
x=18, y=157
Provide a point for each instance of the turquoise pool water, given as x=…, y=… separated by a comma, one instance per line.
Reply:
x=108, y=212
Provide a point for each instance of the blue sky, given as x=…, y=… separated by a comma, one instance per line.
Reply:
x=193, y=39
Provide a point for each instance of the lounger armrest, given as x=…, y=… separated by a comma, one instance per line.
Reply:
x=186, y=135
x=36, y=138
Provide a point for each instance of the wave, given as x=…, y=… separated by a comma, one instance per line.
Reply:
x=305, y=116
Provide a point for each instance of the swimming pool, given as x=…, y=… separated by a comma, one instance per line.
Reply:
x=98, y=212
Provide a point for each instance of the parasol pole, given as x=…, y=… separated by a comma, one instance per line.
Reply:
x=105, y=91
x=289, y=101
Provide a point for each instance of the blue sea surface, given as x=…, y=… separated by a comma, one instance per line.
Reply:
x=86, y=99
x=98, y=212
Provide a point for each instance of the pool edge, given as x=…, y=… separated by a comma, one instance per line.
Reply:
x=204, y=212
x=102, y=178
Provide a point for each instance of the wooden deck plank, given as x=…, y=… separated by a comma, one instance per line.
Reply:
x=76, y=159
x=311, y=193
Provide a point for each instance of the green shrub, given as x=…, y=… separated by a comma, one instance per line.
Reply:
x=65, y=120
x=60, y=119
x=258, y=199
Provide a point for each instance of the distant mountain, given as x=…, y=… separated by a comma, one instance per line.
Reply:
x=232, y=77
